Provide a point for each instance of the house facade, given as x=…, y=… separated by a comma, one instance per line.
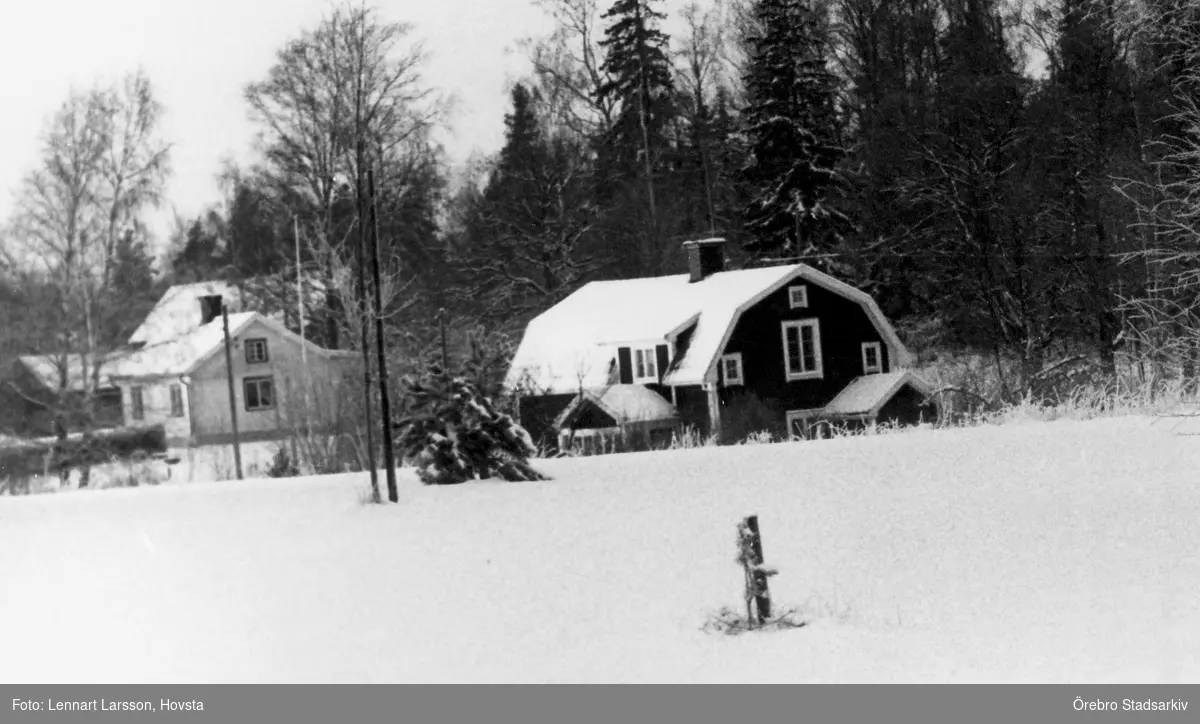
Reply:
x=179, y=377
x=172, y=372
x=795, y=345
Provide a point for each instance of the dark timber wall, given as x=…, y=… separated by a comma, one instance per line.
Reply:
x=906, y=408
x=691, y=403
x=536, y=414
x=844, y=327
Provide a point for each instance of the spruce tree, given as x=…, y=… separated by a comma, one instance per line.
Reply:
x=453, y=434
x=1090, y=113
x=132, y=289
x=512, y=192
x=641, y=84
x=793, y=135
x=518, y=244
x=634, y=151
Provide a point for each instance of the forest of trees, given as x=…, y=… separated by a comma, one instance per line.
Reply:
x=1016, y=178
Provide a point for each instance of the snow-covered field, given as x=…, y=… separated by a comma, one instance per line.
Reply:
x=1041, y=552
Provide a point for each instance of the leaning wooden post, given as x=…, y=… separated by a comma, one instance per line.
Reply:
x=751, y=557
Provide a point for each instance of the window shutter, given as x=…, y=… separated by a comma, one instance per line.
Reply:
x=662, y=351
x=625, y=363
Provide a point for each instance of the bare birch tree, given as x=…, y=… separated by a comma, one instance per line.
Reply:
x=102, y=166
x=353, y=78
x=568, y=67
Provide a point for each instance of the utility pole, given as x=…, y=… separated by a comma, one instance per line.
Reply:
x=237, y=447
x=363, y=311
x=307, y=411
x=385, y=402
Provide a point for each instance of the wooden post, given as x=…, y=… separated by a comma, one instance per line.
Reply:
x=237, y=447
x=364, y=312
x=751, y=557
x=385, y=403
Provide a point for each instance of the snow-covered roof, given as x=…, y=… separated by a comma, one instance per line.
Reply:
x=185, y=353
x=624, y=403
x=178, y=312
x=572, y=345
x=867, y=394
x=182, y=354
x=47, y=369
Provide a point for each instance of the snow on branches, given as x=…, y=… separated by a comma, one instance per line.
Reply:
x=453, y=434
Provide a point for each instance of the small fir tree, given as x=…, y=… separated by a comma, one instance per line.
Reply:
x=453, y=434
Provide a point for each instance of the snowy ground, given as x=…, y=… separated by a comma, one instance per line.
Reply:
x=1060, y=552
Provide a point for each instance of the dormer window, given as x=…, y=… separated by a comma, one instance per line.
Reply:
x=645, y=365
x=256, y=351
x=872, y=358
x=798, y=297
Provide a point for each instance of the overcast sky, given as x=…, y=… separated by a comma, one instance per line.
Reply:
x=201, y=53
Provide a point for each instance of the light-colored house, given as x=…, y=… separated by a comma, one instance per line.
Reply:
x=175, y=373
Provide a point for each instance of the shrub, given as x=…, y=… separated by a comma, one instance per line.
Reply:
x=452, y=434
x=282, y=465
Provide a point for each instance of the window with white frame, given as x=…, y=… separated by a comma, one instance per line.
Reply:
x=798, y=297
x=802, y=350
x=137, y=403
x=645, y=365
x=176, y=401
x=259, y=393
x=872, y=358
x=731, y=369
x=804, y=424
x=256, y=351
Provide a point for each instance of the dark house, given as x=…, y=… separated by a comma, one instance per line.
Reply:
x=36, y=390
x=788, y=345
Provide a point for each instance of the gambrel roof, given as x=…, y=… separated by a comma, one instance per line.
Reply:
x=572, y=345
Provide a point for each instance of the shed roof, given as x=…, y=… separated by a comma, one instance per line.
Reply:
x=623, y=403
x=572, y=344
x=47, y=368
x=867, y=394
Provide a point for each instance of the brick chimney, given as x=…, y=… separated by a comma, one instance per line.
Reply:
x=705, y=257
x=210, y=308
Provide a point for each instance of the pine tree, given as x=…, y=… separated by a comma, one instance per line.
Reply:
x=793, y=134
